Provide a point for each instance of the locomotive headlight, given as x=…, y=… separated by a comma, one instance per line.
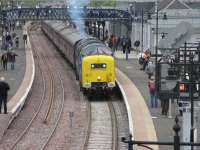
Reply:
x=87, y=85
x=104, y=65
x=99, y=78
x=92, y=65
x=111, y=84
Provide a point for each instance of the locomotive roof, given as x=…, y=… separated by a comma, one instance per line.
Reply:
x=96, y=49
x=87, y=44
x=93, y=46
x=72, y=35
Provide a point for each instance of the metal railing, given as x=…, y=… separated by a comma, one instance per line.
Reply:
x=176, y=143
x=65, y=13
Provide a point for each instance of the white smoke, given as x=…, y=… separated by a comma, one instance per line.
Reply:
x=76, y=11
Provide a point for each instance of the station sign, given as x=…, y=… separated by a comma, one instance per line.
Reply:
x=185, y=90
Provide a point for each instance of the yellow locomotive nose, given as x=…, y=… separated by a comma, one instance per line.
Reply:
x=99, y=78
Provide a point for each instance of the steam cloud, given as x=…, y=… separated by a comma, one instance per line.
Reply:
x=76, y=11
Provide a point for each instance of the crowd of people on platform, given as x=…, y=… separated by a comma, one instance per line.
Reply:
x=9, y=55
x=4, y=86
x=148, y=66
x=10, y=41
x=118, y=43
x=107, y=13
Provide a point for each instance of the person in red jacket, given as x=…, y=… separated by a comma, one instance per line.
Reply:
x=152, y=91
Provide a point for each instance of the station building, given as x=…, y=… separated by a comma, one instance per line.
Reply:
x=181, y=23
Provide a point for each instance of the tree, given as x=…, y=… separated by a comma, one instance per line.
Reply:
x=103, y=3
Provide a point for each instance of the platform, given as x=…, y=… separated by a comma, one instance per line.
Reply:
x=140, y=122
x=15, y=77
x=20, y=80
x=120, y=55
x=163, y=125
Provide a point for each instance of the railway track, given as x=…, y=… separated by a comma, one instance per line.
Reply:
x=70, y=102
x=50, y=106
x=52, y=99
x=44, y=84
x=35, y=114
x=122, y=122
x=58, y=132
x=101, y=130
x=105, y=123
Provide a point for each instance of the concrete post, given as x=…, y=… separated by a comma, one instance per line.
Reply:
x=170, y=108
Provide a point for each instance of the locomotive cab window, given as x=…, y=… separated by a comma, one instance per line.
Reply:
x=98, y=66
x=96, y=49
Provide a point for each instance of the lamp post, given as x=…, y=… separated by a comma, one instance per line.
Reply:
x=156, y=48
x=1, y=20
x=103, y=25
x=12, y=4
x=192, y=106
x=142, y=40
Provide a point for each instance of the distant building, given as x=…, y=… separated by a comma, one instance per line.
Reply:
x=182, y=24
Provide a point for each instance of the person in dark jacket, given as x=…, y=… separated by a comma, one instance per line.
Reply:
x=25, y=38
x=11, y=58
x=164, y=99
x=128, y=45
x=165, y=105
x=8, y=38
x=17, y=42
x=4, y=88
x=124, y=45
x=4, y=60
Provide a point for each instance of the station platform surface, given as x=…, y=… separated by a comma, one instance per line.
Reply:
x=14, y=78
x=163, y=124
x=119, y=54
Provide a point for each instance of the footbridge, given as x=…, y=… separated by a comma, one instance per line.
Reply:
x=88, y=14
